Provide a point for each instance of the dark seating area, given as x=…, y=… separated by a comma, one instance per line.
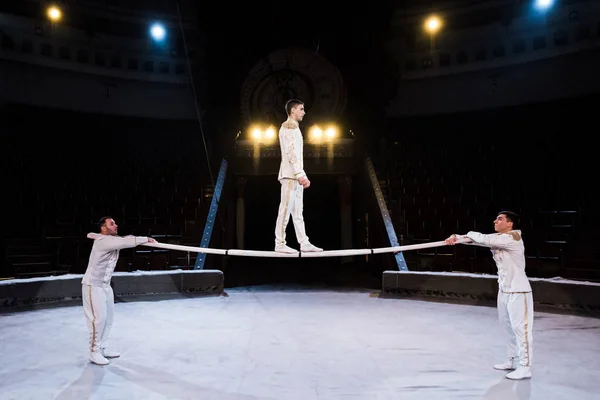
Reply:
x=67, y=172
x=451, y=174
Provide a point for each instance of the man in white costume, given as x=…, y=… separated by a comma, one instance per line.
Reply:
x=293, y=180
x=97, y=294
x=515, y=298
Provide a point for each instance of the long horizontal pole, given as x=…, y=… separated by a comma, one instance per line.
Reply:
x=326, y=253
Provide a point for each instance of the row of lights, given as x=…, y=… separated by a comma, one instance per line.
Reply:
x=433, y=23
x=157, y=30
x=263, y=135
x=316, y=134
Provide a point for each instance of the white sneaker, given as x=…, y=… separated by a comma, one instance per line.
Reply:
x=310, y=248
x=98, y=358
x=512, y=363
x=110, y=353
x=520, y=373
x=282, y=248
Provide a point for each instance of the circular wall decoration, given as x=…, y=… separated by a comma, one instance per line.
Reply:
x=292, y=73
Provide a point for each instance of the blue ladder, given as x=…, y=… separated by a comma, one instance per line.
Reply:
x=212, y=214
x=387, y=220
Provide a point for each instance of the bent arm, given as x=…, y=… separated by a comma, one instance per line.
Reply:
x=292, y=152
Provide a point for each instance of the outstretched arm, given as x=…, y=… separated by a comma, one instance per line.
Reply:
x=451, y=241
x=493, y=241
x=109, y=242
x=470, y=242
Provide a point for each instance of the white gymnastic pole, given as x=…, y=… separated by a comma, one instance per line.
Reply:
x=186, y=248
x=338, y=253
x=419, y=246
x=260, y=253
x=327, y=253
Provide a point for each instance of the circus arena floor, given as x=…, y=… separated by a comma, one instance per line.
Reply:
x=269, y=342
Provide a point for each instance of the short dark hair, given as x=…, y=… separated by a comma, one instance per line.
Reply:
x=102, y=221
x=511, y=217
x=291, y=103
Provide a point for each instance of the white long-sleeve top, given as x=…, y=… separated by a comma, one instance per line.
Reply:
x=104, y=256
x=291, y=143
x=508, y=252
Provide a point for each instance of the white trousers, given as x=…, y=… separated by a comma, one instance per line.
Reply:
x=515, y=312
x=291, y=203
x=98, y=307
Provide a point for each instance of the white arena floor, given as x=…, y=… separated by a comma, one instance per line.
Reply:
x=284, y=343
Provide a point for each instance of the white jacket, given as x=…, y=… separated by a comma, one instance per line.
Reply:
x=292, y=159
x=508, y=251
x=104, y=256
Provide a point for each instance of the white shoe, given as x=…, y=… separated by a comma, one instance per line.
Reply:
x=310, y=248
x=110, y=353
x=98, y=358
x=282, y=248
x=520, y=373
x=512, y=363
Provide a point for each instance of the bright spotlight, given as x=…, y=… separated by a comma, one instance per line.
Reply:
x=316, y=132
x=157, y=31
x=256, y=133
x=433, y=24
x=54, y=13
x=270, y=133
x=331, y=133
x=543, y=5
